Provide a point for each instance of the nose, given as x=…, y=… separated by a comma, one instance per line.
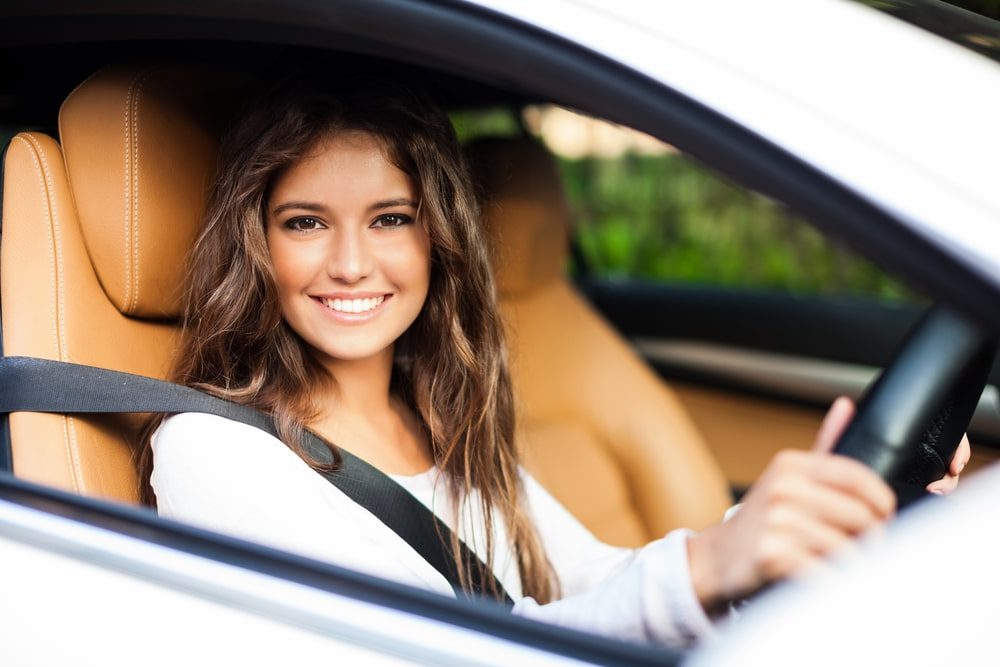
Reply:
x=351, y=258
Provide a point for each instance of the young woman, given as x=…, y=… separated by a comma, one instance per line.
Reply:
x=341, y=283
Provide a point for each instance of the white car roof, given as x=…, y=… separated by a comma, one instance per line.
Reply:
x=901, y=116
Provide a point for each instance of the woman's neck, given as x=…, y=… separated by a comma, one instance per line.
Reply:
x=359, y=413
x=360, y=385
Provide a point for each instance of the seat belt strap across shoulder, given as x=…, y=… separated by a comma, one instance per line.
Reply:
x=41, y=385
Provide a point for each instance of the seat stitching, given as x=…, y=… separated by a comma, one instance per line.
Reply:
x=127, y=300
x=69, y=424
x=135, y=200
x=52, y=252
x=57, y=237
x=56, y=278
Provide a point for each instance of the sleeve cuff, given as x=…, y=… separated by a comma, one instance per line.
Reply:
x=651, y=599
x=674, y=614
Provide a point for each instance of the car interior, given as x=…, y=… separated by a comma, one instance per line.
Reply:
x=101, y=202
x=98, y=222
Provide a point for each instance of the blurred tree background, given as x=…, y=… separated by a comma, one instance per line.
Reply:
x=661, y=218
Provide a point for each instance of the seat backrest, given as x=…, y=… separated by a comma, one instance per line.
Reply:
x=95, y=231
x=599, y=429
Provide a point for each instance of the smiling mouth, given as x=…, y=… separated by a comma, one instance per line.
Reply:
x=353, y=306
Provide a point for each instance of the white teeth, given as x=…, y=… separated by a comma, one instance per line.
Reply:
x=353, y=305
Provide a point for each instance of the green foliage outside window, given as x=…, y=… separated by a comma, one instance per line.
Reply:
x=660, y=218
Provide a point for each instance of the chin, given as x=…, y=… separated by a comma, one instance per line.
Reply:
x=349, y=353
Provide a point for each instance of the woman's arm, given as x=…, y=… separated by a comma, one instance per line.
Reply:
x=804, y=507
x=638, y=594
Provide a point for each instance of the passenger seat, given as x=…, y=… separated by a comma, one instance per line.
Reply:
x=598, y=427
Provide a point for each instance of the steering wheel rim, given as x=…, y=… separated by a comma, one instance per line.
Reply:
x=911, y=419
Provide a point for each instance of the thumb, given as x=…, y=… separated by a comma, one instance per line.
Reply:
x=837, y=418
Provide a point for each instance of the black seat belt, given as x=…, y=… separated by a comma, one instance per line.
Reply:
x=41, y=385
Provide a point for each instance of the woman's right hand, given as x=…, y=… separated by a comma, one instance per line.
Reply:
x=805, y=506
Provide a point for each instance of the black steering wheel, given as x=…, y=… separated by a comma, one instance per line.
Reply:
x=911, y=420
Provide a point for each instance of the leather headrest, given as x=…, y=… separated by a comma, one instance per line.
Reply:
x=140, y=146
x=525, y=210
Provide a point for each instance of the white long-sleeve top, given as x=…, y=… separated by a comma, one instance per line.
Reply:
x=236, y=479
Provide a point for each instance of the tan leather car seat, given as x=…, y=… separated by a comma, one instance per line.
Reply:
x=599, y=429
x=96, y=228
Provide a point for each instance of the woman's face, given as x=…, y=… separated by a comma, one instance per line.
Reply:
x=351, y=262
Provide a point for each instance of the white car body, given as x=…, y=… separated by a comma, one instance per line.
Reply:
x=894, y=114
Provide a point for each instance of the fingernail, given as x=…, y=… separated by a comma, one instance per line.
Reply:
x=961, y=467
x=937, y=492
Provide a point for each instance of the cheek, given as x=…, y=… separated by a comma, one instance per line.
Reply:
x=409, y=262
x=421, y=263
x=290, y=278
x=290, y=264
x=275, y=251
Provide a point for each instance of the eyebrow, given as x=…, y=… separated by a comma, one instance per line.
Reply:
x=318, y=208
x=303, y=205
x=389, y=203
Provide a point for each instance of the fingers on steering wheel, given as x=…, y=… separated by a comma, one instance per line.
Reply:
x=949, y=482
x=962, y=456
x=943, y=486
x=843, y=512
x=856, y=480
x=834, y=423
x=797, y=551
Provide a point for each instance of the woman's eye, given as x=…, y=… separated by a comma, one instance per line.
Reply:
x=392, y=220
x=304, y=224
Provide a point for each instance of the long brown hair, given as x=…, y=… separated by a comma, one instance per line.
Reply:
x=450, y=366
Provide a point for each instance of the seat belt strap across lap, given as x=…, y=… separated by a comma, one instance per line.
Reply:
x=42, y=385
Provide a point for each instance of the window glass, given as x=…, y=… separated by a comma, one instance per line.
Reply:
x=644, y=211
